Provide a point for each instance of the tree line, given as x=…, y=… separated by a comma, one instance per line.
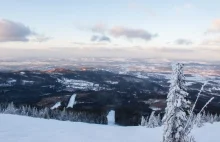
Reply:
x=46, y=113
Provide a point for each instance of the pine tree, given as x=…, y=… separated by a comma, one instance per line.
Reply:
x=175, y=118
x=143, y=121
x=153, y=122
x=159, y=119
x=11, y=109
x=211, y=119
x=35, y=112
x=63, y=115
x=199, y=120
x=1, y=109
x=23, y=110
x=215, y=119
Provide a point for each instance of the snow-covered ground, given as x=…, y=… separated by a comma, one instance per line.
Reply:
x=15, y=128
x=78, y=84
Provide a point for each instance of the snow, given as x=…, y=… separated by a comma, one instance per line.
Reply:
x=25, y=82
x=139, y=75
x=9, y=82
x=5, y=85
x=58, y=104
x=78, y=84
x=111, y=117
x=112, y=82
x=189, y=83
x=155, y=108
x=28, y=129
x=71, y=101
x=22, y=73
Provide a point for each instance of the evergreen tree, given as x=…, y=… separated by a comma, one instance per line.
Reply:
x=11, y=109
x=143, y=121
x=153, y=122
x=211, y=119
x=159, y=119
x=175, y=118
x=23, y=110
x=215, y=118
x=199, y=120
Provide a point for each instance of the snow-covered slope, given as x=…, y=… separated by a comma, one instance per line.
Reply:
x=26, y=129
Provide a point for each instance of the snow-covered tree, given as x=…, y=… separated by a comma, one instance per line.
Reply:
x=63, y=115
x=11, y=109
x=143, y=121
x=177, y=110
x=153, y=122
x=215, y=118
x=199, y=120
x=23, y=110
x=211, y=119
x=159, y=119
x=35, y=112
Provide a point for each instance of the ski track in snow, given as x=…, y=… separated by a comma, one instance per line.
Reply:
x=15, y=128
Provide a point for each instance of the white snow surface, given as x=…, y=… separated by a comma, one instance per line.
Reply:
x=71, y=101
x=27, y=129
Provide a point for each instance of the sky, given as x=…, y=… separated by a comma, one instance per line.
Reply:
x=173, y=29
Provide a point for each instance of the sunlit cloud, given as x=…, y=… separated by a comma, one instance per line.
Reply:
x=101, y=38
x=14, y=31
x=215, y=27
x=11, y=31
x=130, y=33
x=183, y=41
x=99, y=28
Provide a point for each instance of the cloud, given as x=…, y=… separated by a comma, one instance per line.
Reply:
x=104, y=38
x=99, y=28
x=41, y=38
x=13, y=31
x=130, y=33
x=212, y=42
x=100, y=38
x=183, y=41
x=78, y=43
x=117, y=31
x=94, y=38
x=215, y=27
x=176, y=50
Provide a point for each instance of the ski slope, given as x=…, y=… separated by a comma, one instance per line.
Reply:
x=15, y=128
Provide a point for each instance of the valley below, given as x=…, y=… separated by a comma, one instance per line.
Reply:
x=131, y=90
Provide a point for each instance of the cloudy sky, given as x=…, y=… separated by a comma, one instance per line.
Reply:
x=175, y=29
